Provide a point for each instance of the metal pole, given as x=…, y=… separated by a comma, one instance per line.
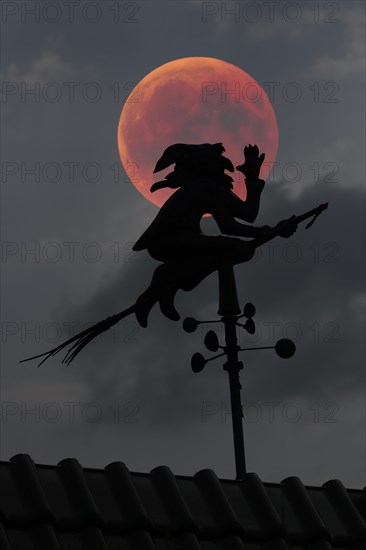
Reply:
x=229, y=310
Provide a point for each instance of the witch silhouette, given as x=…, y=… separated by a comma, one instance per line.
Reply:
x=175, y=237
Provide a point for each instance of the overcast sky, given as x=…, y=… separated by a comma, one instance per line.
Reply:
x=132, y=396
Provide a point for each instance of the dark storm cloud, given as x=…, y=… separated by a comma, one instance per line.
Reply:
x=285, y=280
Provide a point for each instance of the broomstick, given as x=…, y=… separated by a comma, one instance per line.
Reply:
x=83, y=338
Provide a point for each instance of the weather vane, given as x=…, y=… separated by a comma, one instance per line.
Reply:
x=188, y=255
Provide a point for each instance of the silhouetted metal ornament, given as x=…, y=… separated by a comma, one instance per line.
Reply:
x=211, y=341
x=196, y=165
x=249, y=310
x=250, y=326
x=198, y=362
x=190, y=324
x=285, y=348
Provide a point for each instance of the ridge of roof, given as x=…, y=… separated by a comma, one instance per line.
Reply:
x=45, y=507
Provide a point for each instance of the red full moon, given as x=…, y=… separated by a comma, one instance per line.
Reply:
x=194, y=100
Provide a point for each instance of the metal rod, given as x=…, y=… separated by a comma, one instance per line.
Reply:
x=229, y=310
x=262, y=347
x=215, y=357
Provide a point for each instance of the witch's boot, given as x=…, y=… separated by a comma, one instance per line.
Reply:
x=166, y=303
x=161, y=289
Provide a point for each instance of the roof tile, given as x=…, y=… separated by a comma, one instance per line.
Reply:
x=85, y=510
x=177, y=509
x=36, y=507
x=313, y=528
x=44, y=536
x=225, y=519
x=268, y=522
x=354, y=524
x=183, y=541
x=275, y=544
x=133, y=515
x=4, y=541
x=91, y=538
x=138, y=540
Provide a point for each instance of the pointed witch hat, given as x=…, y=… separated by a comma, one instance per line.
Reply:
x=204, y=160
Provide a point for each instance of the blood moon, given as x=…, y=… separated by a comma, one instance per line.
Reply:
x=194, y=100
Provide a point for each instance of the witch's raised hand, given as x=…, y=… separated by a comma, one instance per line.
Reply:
x=253, y=162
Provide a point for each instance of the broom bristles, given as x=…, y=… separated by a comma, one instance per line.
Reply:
x=83, y=338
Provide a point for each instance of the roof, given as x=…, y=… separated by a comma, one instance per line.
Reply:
x=67, y=507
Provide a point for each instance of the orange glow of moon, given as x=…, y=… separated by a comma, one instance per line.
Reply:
x=194, y=100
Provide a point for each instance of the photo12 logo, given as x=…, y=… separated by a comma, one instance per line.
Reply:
x=272, y=412
x=69, y=412
x=71, y=12
x=269, y=12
